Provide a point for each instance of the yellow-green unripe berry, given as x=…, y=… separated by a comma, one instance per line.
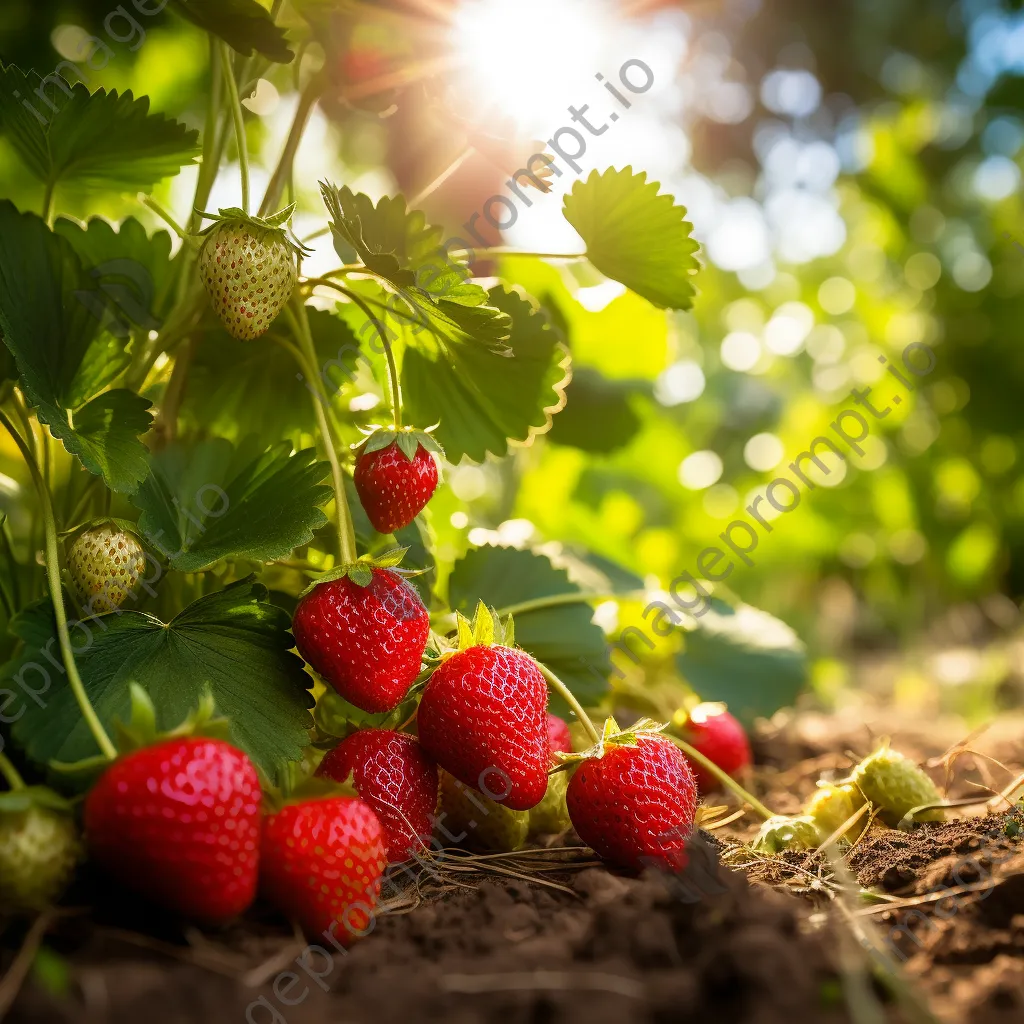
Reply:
x=783, y=832
x=39, y=848
x=834, y=804
x=488, y=825
x=105, y=563
x=895, y=785
x=551, y=815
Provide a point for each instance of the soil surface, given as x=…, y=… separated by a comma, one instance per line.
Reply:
x=757, y=940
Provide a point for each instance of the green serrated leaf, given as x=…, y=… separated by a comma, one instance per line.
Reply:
x=360, y=575
x=95, y=140
x=562, y=637
x=636, y=236
x=234, y=643
x=237, y=389
x=745, y=658
x=483, y=400
x=63, y=353
x=209, y=502
x=132, y=272
x=243, y=24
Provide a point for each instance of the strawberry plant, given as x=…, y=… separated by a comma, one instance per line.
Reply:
x=231, y=443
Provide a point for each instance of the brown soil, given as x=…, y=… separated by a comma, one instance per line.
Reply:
x=617, y=949
x=763, y=942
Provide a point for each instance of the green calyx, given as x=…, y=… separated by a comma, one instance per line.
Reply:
x=360, y=572
x=611, y=736
x=266, y=227
x=485, y=630
x=124, y=525
x=408, y=439
x=298, y=787
x=141, y=728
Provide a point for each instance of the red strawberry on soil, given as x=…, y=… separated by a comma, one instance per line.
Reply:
x=364, y=633
x=321, y=862
x=179, y=823
x=395, y=777
x=713, y=731
x=635, y=805
x=482, y=718
x=559, y=737
x=395, y=477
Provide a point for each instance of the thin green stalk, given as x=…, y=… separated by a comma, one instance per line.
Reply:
x=239, y=121
x=498, y=250
x=275, y=189
x=299, y=324
x=165, y=216
x=723, y=777
x=396, y=387
x=48, y=201
x=7, y=546
x=566, y=694
x=10, y=773
x=57, y=594
x=446, y=622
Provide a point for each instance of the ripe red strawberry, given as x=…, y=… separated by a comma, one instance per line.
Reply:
x=712, y=730
x=395, y=477
x=321, y=862
x=559, y=737
x=247, y=265
x=482, y=718
x=396, y=778
x=178, y=822
x=366, y=641
x=635, y=805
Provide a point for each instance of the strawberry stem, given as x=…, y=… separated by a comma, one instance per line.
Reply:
x=57, y=594
x=236, y=115
x=396, y=391
x=299, y=323
x=566, y=694
x=10, y=773
x=723, y=777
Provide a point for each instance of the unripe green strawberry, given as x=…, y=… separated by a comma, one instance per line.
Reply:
x=105, y=562
x=895, y=784
x=39, y=848
x=247, y=266
x=488, y=825
x=551, y=815
x=832, y=805
x=786, y=833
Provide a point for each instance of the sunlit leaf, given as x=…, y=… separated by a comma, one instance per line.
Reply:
x=636, y=236
x=744, y=657
x=98, y=140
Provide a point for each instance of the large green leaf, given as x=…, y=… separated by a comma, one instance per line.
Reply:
x=98, y=140
x=132, y=271
x=233, y=642
x=64, y=353
x=563, y=637
x=483, y=398
x=242, y=24
x=236, y=389
x=745, y=657
x=209, y=502
x=635, y=236
x=598, y=414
